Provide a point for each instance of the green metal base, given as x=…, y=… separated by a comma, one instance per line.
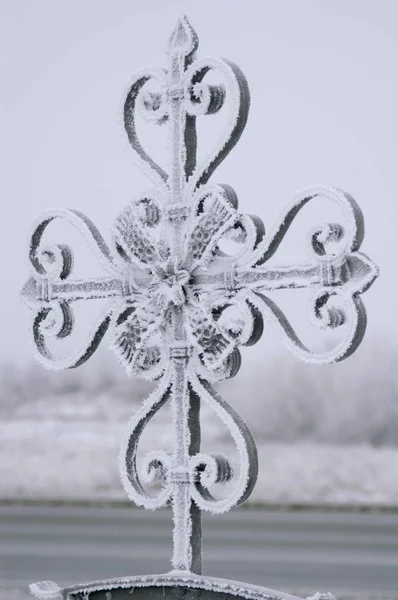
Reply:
x=173, y=585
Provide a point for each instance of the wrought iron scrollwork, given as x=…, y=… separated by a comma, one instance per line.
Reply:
x=180, y=303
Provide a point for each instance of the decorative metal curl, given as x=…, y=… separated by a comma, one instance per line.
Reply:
x=180, y=302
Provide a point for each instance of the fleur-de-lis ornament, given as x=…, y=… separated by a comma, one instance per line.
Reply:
x=180, y=305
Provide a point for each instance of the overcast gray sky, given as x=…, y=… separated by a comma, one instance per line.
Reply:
x=324, y=83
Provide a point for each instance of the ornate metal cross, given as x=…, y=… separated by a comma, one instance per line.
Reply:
x=187, y=284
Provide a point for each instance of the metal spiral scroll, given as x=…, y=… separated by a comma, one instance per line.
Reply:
x=202, y=470
x=179, y=303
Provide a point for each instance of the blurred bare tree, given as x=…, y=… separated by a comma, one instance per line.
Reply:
x=358, y=404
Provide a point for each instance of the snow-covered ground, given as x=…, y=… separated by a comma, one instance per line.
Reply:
x=325, y=435
x=53, y=459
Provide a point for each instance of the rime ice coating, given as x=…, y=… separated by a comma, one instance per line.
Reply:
x=179, y=308
x=50, y=591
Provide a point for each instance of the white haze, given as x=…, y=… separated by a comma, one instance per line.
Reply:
x=324, y=86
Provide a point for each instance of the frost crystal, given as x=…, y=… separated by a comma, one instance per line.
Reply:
x=179, y=307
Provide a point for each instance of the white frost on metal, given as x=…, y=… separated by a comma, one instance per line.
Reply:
x=320, y=596
x=178, y=579
x=178, y=307
x=46, y=590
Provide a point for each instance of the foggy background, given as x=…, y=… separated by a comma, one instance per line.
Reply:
x=324, y=94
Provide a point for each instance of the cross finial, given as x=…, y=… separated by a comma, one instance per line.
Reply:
x=183, y=38
x=180, y=307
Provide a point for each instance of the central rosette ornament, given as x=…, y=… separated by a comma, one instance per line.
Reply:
x=156, y=283
x=168, y=285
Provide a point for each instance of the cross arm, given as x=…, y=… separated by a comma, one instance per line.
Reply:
x=355, y=271
x=39, y=290
x=264, y=278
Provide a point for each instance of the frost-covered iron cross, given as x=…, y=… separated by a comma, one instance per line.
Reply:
x=188, y=283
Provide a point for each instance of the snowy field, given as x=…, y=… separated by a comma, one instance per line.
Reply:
x=325, y=436
x=77, y=460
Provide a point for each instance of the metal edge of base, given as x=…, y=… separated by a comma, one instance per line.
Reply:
x=48, y=590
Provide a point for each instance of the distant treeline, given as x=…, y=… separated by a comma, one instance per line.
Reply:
x=282, y=399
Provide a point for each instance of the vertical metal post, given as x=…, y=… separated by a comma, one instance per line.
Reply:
x=186, y=516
